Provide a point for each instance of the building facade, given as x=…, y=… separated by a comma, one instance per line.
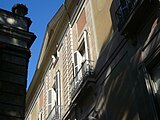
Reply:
x=72, y=43
x=99, y=61
x=127, y=70
x=15, y=43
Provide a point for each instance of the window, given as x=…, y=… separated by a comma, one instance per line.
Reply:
x=155, y=83
x=50, y=100
x=81, y=64
x=81, y=60
x=54, y=58
x=152, y=80
x=57, y=88
x=82, y=51
x=77, y=65
x=40, y=115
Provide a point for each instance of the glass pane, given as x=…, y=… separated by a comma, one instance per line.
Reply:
x=49, y=96
x=155, y=75
x=49, y=108
x=75, y=59
x=76, y=70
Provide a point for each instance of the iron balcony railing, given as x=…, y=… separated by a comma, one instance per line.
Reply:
x=124, y=11
x=85, y=70
x=55, y=113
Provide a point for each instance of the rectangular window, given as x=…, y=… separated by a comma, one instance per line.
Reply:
x=77, y=62
x=75, y=59
x=40, y=116
x=58, y=88
x=50, y=95
x=82, y=51
x=58, y=94
x=155, y=82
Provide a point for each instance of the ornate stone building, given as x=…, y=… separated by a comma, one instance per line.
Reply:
x=99, y=61
x=72, y=43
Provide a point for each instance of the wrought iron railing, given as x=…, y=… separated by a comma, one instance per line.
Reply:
x=85, y=70
x=124, y=11
x=55, y=113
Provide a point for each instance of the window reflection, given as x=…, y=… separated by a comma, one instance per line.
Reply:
x=155, y=76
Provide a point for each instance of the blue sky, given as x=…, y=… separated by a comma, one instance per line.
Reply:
x=40, y=12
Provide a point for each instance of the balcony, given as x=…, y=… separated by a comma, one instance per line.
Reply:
x=84, y=75
x=55, y=113
x=131, y=14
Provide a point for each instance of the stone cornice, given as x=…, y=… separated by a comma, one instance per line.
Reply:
x=21, y=35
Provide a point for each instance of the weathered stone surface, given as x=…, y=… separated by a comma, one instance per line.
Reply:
x=15, y=42
x=9, y=118
x=11, y=110
x=11, y=99
x=12, y=88
x=12, y=78
x=13, y=68
x=14, y=59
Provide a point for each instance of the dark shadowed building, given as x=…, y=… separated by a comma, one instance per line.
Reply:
x=15, y=41
x=128, y=70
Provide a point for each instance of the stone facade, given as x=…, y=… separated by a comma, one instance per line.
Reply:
x=126, y=84
x=70, y=49
x=117, y=45
x=116, y=75
x=96, y=66
x=15, y=41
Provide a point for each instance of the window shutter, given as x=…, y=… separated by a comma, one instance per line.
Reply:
x=77, y=62
x=40, y=116
x=53, y=59
x=75, y=58
x=50, y=101
x=77, y=67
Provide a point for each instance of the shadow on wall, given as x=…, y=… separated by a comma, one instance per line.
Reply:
x=119, y=94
